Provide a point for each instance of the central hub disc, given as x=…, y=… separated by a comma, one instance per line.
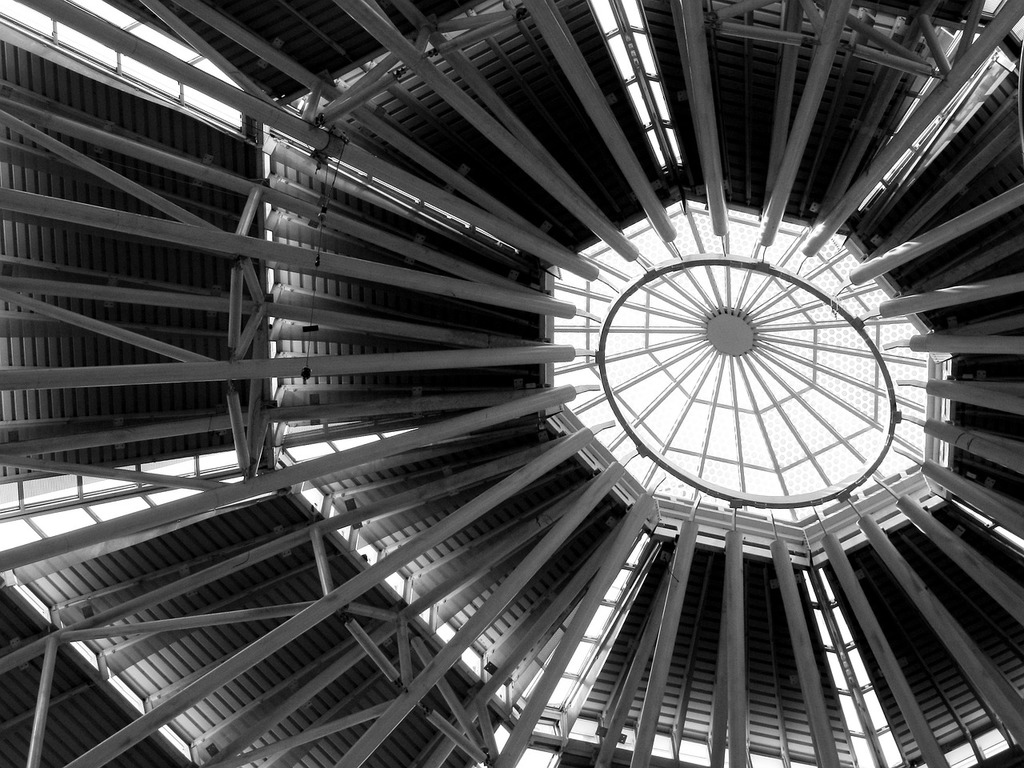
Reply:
x=730, y=335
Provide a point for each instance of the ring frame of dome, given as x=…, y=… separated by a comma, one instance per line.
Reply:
x=736, y=498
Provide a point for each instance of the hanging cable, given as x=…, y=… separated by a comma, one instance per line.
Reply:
x=306, y=372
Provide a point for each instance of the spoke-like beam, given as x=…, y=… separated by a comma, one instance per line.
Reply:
x=1001, y=509
x=986, y=678
x=1007, y=592
x=368, y=15
x=806, y=663
x=229, y=244
x=622, y=702
x=558, y=37
x=327, y=606
x=624, y=538
x=348, y=365
x=688, y=21
x=763, y=428
x=803, y=122
x=736, y=648
x=288, y=476
x=927, y=242
x=967, y=64
x=495, y=604
x=667, y=627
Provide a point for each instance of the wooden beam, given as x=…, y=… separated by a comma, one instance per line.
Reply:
x=803, y=122
x=229, y=244
x=831, y=219
x=806, y=663
x=986, y=678
x=883, y=654
x=650, y=713
x=562, y=44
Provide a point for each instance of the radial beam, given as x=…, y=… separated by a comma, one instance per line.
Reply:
x=650, y=713
x=784, y=99
x=1007, y=592
x=883, y=654
x=303, y=259
x=972, y=394
x=485, y=616
x=986, y=678
x=327, y=606
x=35, y=746
x=803, y=122
x=101, y=171
x=525, y=237
x=96, y=535
x=560, y=40
x=469, y=74
x=1003, y=451
x=348, y=365
x=806, y=663
x=688, y=19
x=966, y=66
x=923, y=244
x=623, y=701
x=1001, y=509
x=955, y=344
x=736, y=649
x=368, y=15
x=624, y=538
x=164, y=61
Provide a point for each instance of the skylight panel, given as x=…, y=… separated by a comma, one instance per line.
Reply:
x=153, y=79
x=107, y=12
x=163, y=42
x=56, y=523
x=16, y=533
x=86, y=45
x=808, y=413
x=33, y=19
x=119, y=507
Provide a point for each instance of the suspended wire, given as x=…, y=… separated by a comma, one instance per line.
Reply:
x=306, y=373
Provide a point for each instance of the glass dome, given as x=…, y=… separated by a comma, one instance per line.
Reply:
x=765, y=382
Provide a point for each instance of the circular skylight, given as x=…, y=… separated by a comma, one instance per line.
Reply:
x=735, y=377
x=764, y=381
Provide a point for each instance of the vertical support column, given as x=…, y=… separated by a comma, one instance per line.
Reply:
x=720, y=703
x=988, y=680
x=35, y=747
x=736, y=649
x=666, y=643
x=890, y=667
x=806, y=664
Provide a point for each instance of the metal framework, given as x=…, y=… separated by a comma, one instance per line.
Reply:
x=461, y=545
